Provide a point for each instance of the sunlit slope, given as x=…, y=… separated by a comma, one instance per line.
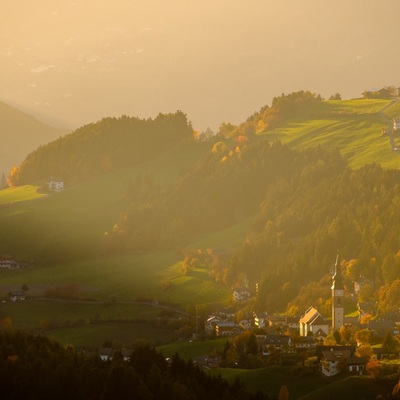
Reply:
x=71, y=224
x=355, y=127
x=13, y=195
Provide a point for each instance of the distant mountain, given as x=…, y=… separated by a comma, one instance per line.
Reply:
x=20, y=134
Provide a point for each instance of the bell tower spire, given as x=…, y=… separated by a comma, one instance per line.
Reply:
x=337, y=297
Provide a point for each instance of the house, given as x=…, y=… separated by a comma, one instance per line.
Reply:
x=55, y=184
x=305, y=343
x=334, y=361
x=241, y=294
x=281, y=343
x=17, y=296
x=211, y=322
x=312, y=322
x=378, y=93
x=225, y=328
x=10, y=263
x=260, y=320
x=396, y=123
x=293, y=322
x=283, y=322
x=108, y=353
x=277, y=321
x=366, y=308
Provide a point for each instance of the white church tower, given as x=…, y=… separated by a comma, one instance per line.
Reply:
x=337, y=298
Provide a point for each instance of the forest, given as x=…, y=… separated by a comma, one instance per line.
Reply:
x=34, y=367
x=102, y=147
x=305, y=205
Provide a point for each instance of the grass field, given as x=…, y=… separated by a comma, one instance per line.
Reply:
x=192, y=350
x=120, y=334
x=127, y=277
x=354, y=127
x=13, y=195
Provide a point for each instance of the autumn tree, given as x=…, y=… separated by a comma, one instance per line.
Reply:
x=390, y=344
x=373, y=368
x=283, y=393
x=227, y=130
x=363, y=336
x=365, y=351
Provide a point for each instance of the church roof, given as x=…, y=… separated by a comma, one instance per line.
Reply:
x=310, y=314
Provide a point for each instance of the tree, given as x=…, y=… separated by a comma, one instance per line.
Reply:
x=363, y=336
x=3, y=182
x=365, y=351
x=337, y=336
x=283, y=393
x=374, y=368
x=330, y=341
x=227, y=130
x=25, y=288
x=252, y=346
x=219, y=148
x=336, y=96
x=390, y=344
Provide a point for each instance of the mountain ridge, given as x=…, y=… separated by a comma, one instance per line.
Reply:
x=20, y=134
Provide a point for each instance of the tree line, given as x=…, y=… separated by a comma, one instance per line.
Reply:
x=102, y=147
x=34, y=367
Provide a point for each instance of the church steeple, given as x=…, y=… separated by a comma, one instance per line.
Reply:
x=337, y=297
x=337, y=281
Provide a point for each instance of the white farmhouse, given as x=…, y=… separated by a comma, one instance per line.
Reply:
x=55, y=184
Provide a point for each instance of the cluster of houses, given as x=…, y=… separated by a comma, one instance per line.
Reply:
x=291, y=335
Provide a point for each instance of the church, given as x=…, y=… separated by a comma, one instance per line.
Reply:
x=312, y=322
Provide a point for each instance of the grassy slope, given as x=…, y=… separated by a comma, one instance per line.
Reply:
x=63, y=233
x=349, y=388
x=13, y=195
x=314, y=387
x=354, y=127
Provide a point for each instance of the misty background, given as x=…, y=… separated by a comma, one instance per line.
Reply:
x=74, y=62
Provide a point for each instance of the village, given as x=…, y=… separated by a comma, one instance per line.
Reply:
x=332, y=346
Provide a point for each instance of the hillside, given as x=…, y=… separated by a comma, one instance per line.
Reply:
x=102, y=147
x=201, y=213
x=354, y=127
x=20, y=134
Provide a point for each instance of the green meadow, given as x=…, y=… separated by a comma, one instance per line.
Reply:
x=354, y=127
x=13, y=195
x=192, y=350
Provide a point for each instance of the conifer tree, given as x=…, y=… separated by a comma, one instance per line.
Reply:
x=3, y=183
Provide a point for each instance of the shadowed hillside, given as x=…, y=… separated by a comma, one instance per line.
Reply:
x=20, y=134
